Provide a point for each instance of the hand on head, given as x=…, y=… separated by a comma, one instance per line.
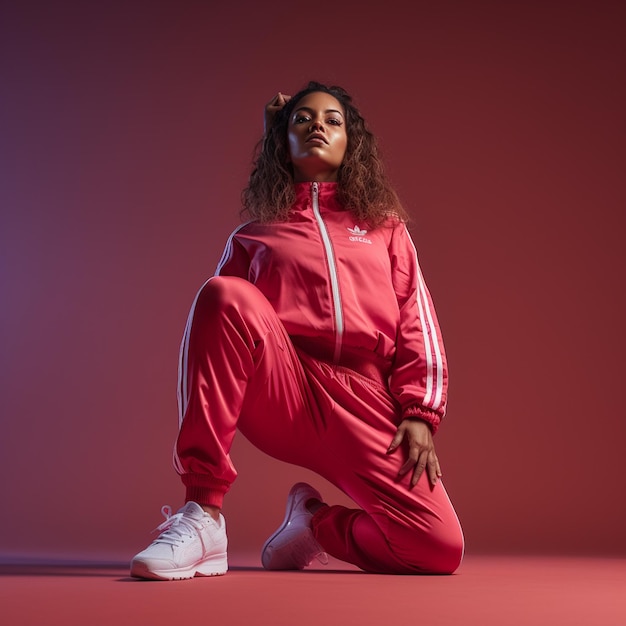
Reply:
x=272, y=107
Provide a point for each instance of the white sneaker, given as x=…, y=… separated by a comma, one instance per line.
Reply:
x=293, y=545
x=191, y=544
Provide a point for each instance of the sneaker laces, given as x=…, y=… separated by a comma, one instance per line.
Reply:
x=176, y=528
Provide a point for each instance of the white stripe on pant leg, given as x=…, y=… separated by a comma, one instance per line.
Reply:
x=183, y=354
x=183, y=383
x=183, y=357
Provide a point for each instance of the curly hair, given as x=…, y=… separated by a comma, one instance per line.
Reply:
x=362, y=185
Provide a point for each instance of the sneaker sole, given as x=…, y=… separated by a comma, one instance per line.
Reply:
x=217, y=566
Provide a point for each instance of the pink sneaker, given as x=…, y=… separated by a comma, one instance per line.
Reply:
x=293, y=545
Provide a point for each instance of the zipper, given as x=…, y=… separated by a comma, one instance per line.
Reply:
x=332, y=270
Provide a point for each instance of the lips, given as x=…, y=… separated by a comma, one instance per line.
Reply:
x=316, y=137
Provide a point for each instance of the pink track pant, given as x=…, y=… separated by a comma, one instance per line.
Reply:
x=240, y=369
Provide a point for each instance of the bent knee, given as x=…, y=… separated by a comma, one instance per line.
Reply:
x=225, y=293
x=434, y=553
x=219, y=289
x=446, y=557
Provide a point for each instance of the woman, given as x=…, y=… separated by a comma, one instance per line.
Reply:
x=317, y=339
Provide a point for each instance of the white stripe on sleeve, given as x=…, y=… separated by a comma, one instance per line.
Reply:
x=434, y=371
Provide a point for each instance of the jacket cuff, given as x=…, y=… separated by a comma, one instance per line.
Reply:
x=417, y=412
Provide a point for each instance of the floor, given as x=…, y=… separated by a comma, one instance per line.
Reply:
x=486, y=591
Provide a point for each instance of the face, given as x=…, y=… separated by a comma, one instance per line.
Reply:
x=317, y=138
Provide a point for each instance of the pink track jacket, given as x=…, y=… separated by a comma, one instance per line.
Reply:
x=348, y=295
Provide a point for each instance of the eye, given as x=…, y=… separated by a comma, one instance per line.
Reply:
x=300, y=119
x=333, y=121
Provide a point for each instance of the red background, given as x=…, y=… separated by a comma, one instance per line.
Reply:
x=127, y=134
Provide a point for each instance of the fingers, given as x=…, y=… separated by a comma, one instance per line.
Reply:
x=416, y=461
x=427, y=461
x=413, y=461
x=272, y=107
x=396, y=441
x=274, y=101
x=282, y=99
x=434, y=470
x=278, y=101
x=419, y=467
x=421, y=456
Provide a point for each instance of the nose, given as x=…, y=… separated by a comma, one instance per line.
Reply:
x=316, y=126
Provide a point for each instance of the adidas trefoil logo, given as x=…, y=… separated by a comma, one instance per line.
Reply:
x=358, y=235
x=357, y=231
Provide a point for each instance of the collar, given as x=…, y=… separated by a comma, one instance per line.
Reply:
x=327, y=196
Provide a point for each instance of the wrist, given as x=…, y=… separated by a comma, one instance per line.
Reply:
x=416, y=412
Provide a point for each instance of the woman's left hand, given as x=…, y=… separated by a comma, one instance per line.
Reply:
x=421, y=450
